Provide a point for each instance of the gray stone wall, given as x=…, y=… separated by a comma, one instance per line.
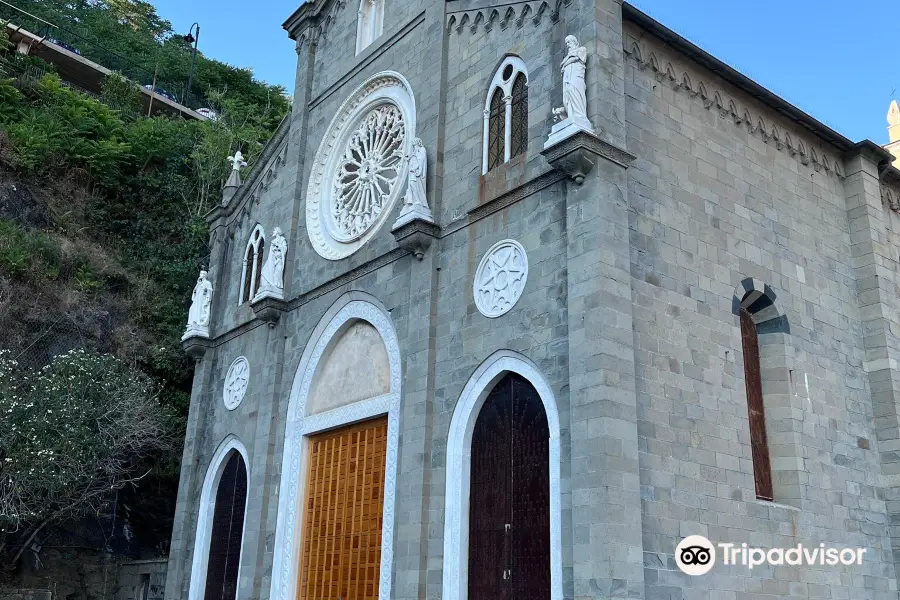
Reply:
x=713, y=203
x=141, y=577
x=18, y=594
x=627, y=311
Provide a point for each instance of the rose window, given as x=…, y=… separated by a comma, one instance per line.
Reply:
x=360, y=170
x=368, y=172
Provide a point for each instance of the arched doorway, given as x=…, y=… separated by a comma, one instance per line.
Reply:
x=335, y=530
x=220, y=524
x=227, y=531
x=509, y=495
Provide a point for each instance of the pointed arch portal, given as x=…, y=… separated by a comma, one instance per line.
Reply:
x=503, y=522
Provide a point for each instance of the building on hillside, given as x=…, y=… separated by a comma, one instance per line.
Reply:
x=522, y=358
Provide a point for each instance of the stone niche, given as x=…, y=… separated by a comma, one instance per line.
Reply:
x=355, y=367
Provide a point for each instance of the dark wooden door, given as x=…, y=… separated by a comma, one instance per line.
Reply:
x=227, y=531
x=509, y=497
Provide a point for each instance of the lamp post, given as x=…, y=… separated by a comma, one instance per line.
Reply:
x=190, y=38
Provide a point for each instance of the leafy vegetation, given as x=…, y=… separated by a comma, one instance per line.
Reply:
x=102, y=229
x=128, y=36
x=83, y=425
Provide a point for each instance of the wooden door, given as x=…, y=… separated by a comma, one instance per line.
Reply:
x=509, y=497
x=342, y=520
x=227, y=531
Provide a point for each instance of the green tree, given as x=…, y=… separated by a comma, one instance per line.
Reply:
x=82, y=427
x=130, y=37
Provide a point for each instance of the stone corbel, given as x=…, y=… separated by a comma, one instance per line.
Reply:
x=416, y=236
x=268, y=309
x=196, y=346
x=577, y=154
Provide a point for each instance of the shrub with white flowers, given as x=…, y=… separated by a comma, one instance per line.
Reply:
x=83, y=426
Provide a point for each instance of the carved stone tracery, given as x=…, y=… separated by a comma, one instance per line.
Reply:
x=236, y=382
x=361, y=165
x=368, y=173
x=500, y=278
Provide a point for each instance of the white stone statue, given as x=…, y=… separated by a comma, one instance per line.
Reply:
x=572, y=116
x=201, y=302
x=272, y=282
x=415, y=202
x=574, y=88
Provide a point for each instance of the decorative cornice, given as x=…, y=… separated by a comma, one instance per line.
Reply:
x=349, y=276
x=665, y=71
x=313, y=15
x=504, y=16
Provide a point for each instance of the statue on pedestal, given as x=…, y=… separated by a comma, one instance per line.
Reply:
x=415, y=202
x=272, y=281
x=201, y=303
x=572, y=115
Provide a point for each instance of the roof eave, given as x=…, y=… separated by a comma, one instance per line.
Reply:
x=736, y=78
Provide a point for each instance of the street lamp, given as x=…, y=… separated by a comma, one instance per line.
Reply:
x=190, y=38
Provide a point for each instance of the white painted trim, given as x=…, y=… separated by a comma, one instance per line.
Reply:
x=369, y=29
x=386, y=87
x=289, y=527
x=506, y=85
x=202, y=537
x=459, y=458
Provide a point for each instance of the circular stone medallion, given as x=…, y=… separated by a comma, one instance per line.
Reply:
x=500, y=278
x=360, y=168
x=236, y=381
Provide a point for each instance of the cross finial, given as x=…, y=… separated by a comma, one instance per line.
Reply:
x=237, y=161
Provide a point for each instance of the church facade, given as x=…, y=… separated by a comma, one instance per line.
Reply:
x=521, y=295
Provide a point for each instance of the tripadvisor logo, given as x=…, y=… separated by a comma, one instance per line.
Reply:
x=696, y=555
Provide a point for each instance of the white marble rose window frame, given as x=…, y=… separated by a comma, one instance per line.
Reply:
x=459, y=462
x=386, y=89
x=369, y=24
x=504, y=79
x=251, y=264
x=203, y=535
x=349, y=309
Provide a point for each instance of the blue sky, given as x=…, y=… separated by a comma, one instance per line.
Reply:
x=836, y=60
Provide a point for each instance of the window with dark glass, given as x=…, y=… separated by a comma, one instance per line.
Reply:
x=227, y=531
x=759, y=442
x=253, y=261
x=519, y=120
x=497, y=130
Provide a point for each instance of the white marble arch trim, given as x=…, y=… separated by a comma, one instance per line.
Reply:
x=203, y=532
x=289, y=532
x=459, y=454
